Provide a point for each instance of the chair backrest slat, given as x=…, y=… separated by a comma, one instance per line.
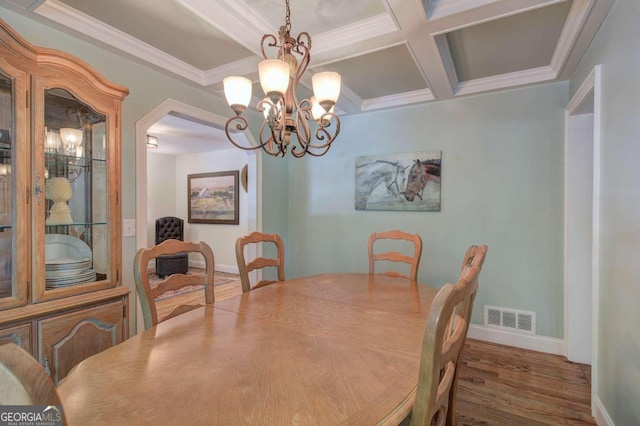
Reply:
x=245, y=268
x=395, y=256
x=148, y=294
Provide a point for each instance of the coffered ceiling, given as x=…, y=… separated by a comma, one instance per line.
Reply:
x=389, y=52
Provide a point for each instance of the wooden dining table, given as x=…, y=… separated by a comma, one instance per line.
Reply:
x=320, y=350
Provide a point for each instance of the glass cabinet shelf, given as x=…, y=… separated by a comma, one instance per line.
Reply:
x=66, y=160
x=75, y=224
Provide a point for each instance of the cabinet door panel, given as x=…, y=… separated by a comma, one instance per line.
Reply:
x=13, y=174
x=67, y=339
x=20, y=335
x=74, y=253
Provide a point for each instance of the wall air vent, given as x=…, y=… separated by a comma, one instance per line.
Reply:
x=510, y=319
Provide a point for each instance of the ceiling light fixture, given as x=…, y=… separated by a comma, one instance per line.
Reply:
x=152, y=142
x=284, y=116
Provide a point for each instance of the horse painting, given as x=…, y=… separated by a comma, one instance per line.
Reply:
x=420, y=174
x=401, y=181
x=371, y=175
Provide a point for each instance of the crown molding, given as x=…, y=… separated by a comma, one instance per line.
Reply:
x=349, y=102
x=596, y=15
x=421, y=25
x=243, y=26
x=402, y=99
x=490, y=10
x=255, y=19
x=242, y=67
x=576, y=19
x=582, y=93
x=505, y=81
x=91, y=27
x=363, y=30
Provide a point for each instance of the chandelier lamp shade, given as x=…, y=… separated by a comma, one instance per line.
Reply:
x=300, y=127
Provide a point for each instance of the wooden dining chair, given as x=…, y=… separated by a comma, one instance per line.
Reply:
x=149, y=294
x=444, y=336
x=395, y=256
x=474, y=252
x=23, y=381
x=245, y=268
x=469, y=272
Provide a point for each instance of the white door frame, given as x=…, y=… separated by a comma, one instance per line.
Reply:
x=589, y=91
x=254, y=178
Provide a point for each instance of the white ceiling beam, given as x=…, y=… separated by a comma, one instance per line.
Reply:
x=243, y=26
x=363, y=30
x=349, y=49
x=368, y=35
x=411, y=17
x=437, y=9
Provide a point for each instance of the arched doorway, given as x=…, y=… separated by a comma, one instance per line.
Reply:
x=185, y=111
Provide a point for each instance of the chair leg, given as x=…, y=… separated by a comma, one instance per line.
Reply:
x=452, y=409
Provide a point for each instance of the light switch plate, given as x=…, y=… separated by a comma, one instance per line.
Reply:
x=129, y=228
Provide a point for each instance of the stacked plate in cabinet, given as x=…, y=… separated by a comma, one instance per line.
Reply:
x=68, y=261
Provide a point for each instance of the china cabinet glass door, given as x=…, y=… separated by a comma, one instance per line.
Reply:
x=13, y=167
x=72, y=196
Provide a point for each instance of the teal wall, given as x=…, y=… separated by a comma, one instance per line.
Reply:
x=617, y=47
x=502, y=185
x=148, y=87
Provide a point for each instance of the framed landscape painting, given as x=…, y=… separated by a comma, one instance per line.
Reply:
x=213, y=198
x=404, y=182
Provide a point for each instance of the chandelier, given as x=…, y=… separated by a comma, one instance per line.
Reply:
x=307, y=127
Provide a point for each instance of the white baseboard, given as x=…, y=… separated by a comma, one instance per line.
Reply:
x=548, y=345
x=228, y=269
x=222, y=268
x=600, y=413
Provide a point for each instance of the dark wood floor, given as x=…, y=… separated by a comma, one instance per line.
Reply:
x=502, y=385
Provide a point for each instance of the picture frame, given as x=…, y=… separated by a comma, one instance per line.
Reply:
x=407, y=181
x=213, y=198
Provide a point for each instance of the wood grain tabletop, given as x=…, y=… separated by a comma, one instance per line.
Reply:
x=322, y=350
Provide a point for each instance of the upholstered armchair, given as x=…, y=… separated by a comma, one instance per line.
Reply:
x=170, y=227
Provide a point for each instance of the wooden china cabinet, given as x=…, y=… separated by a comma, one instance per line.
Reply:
x=61, y=295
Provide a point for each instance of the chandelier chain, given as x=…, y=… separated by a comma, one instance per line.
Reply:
x=287, y=18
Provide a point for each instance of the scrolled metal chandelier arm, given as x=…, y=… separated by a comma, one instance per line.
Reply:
x=241, y=124
x=321, y=134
